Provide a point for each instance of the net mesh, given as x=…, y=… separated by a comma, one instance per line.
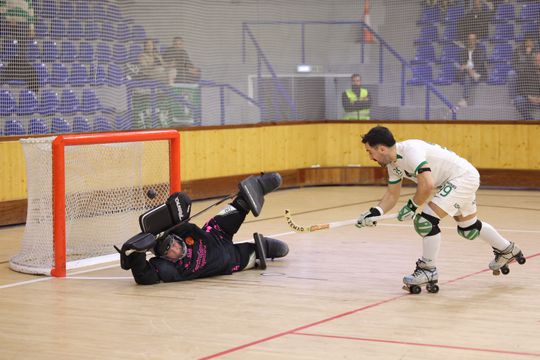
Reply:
x=76, y=66
x=106, y=187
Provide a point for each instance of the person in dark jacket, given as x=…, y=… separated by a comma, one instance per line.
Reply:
x=472, y=68
x=529, y=90
x=189, y=252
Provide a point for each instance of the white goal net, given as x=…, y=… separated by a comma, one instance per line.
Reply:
x=106, y=189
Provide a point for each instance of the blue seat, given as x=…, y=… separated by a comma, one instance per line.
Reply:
x=138, y=33
x=69, y=52
x=101, y=124
x=123, y=32
x=92, y=31
x=89, y=102
x=33, y=53
x=424, y=54
x=99, y=11
x=37, y=126
x=454, y=13
x=103, y=52
x=120, y=54
x=428, y=34
x=447, y=74
x=78, y=75
x=42, y=74
x=528, y=29
x=86, y=52
x=59, y=75
x=69, y=104
x=75, y=30
x=82, y=10
x=135, y=51
x=503, y=32
x=502, y=52
x=430, y=15
x=98, y=75
x=13, y=127
x=41, y=28
x=113, y=13
x=7, y=103
x=58, y=29
x=50, y=51
x=66, y=10
x=529, y=12
x=422, y=73
x=116, y=75
x=450, y=33
x=499, y=74
x=28, y=103
x=48, y=9
x=9, y=50
x=48, y=102
x=80, y=124
x=449, y=53
x=60, y=126
x=108, y=31
x=122, y=122
x=504, y=12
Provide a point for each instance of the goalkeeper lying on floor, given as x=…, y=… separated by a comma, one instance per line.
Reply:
x=183, y=251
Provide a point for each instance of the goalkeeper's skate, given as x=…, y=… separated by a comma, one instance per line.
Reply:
x=423, y=274
x=504, y=257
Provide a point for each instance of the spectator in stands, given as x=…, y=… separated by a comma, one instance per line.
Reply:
x=476, y=20
x=523, y=59
x=177, y=56
x=472, y=68
x=356, y=100
x=152, y=66
x=17, y=23
x=529, y=90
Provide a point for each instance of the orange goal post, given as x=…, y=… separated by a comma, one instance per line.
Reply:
x=86, y=193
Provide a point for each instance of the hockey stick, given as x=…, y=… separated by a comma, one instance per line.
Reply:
x=317, y=227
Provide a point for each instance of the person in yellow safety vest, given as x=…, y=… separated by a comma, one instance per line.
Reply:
x=356, y=100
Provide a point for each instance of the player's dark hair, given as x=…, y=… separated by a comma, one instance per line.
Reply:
x=356, y=75
x=379, y=135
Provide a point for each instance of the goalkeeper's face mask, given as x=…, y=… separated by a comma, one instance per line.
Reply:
x=172, y=248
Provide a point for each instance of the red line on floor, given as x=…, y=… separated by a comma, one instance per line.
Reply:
x=419, y=344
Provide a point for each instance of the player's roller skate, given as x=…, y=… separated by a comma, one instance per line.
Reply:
x=423, y=274
x=504, y=257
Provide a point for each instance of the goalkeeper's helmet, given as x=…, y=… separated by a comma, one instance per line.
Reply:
x=172, y=247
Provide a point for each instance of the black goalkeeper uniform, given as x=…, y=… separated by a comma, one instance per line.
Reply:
x=210, y=252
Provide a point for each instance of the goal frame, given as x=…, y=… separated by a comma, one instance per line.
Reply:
x=59, y=181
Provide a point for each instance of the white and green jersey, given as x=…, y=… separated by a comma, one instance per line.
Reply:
x=413, y=154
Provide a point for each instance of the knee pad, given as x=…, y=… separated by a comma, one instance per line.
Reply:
x=470, y=232
x=426, y=225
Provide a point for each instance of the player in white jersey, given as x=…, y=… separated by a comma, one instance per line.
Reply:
x=455, y=181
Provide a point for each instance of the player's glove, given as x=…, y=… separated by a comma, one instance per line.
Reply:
x=140, y=243
x=366, y=218
x=407, y=212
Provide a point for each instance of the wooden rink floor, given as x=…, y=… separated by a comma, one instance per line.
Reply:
x=337, y=295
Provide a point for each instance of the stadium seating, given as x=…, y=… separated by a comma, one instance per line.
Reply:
x=78, y=75
x=59, y=75
x=42, y=73
x=86, y=52
x=28, y=103
x=48, y=102
x=60, y=126
x=37, y=126
x=89, y=102
x=7, y=103
x=430, y=15
x=13, y=127
x=58, y=29
x=422, y=73
x=447, y=74
x=69, y=104
x=499, y=74
x=101, y=124
x=80, y=124
x=424, y=54
x=501, y=53
x=75, y=30
x=69, y=52
x=50, y=51
x=504, y=12
x=503, y=32
x=428, y=34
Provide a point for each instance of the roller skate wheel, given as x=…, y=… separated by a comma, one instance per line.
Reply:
x=505, y=270
x=415, y=289
x=521, y=260
x=432, y=288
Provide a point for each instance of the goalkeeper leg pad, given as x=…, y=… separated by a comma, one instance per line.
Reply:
x=269, y=248
x=253, y=189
